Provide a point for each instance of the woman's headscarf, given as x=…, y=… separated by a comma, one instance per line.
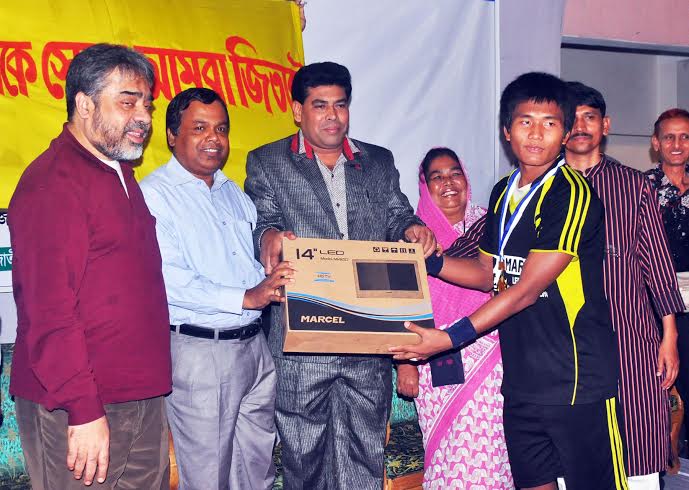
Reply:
x=449, y=302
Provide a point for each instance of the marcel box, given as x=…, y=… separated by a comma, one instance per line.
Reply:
x=353, y=297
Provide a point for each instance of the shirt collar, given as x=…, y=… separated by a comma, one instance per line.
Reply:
x=300, y=146
x=591, y=172
x=180, y=175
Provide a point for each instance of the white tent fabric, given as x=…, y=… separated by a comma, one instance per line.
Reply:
x=429, y=74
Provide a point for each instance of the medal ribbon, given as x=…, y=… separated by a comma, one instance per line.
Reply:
x=506, y=229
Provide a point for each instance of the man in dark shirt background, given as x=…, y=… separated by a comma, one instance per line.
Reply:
x=92, y=357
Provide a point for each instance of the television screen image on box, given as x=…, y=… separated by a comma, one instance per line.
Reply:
x=387, y=279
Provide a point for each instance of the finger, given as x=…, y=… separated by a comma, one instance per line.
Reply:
x=276, y=298
x=290, y=235
x=103, y=463
x=80, y=463
x=413, y=327
x=91, y=465
x=408, y=356
x=71, y=454
x=674, y=372
x=399, y=349
x=671, y=372
x=266, y=262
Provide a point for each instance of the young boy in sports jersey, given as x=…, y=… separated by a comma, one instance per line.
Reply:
x=542, y=254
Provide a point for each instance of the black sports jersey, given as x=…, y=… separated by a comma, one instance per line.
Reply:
x=560, y=350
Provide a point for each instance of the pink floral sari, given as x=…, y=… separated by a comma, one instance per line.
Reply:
x=461, y=424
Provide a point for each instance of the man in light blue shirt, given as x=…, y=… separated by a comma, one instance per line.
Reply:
x=221, y=410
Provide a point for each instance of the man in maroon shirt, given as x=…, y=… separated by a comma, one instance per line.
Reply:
x=92, y=357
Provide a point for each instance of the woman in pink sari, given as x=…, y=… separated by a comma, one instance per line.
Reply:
x=461, y=423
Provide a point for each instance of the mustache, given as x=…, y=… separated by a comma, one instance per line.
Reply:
x=581, y=133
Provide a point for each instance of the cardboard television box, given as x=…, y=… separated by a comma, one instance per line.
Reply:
x=353, y=297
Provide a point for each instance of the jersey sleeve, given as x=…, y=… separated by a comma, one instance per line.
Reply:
x=564, y=213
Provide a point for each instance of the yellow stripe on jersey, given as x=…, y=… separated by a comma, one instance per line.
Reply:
x=579, y=199
x=571, y=287
x=544, y=191
x=487, y=253
x=587, y=202
x=497, y=203
x=616, y=446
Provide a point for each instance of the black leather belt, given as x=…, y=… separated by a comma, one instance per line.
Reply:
x=241, y=333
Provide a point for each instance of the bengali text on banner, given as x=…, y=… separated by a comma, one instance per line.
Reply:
x=247, y=51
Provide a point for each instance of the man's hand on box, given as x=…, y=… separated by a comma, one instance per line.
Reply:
x=423, y=236
x=271, y=247
x=432, y=342
x=268, y=290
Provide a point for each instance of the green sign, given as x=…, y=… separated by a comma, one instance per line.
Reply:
x=5, y=259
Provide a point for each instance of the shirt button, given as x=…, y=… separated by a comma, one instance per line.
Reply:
x=234, y=253
x=337, y=204
x=224, y=223
x=243, y=283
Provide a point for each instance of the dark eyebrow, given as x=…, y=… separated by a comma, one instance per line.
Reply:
x=322, y=101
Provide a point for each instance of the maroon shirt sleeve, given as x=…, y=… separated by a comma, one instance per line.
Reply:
x=50, y=242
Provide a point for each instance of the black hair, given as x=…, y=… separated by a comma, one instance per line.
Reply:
x=89, y=69
x=585, y=95
x=320, y=74
x=434, y=153
x=537, y=87
x=181, y=102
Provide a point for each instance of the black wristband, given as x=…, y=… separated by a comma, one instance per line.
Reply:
x=461, y=332
x=434, y=264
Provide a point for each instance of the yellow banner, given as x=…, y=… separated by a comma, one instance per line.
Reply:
x=246, y=50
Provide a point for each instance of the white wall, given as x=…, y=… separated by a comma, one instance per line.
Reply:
x=423, y=75
x=637, y=87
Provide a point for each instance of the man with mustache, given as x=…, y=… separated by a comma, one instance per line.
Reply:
x=638, y=276
x=92, y=358
x=222, y=406
x=319, y=183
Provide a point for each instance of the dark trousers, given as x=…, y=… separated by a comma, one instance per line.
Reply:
x=138, y=446
x=332, y=418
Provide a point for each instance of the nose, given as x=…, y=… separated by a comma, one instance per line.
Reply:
x=331, y=113
x=536, y=132
x=579, y=125
x=143, y=114
x=211, y=135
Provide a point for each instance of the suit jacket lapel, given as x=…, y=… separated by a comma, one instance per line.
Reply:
x=357, y=190
x=309, y=169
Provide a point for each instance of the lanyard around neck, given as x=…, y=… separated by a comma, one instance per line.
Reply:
x=508, y=226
